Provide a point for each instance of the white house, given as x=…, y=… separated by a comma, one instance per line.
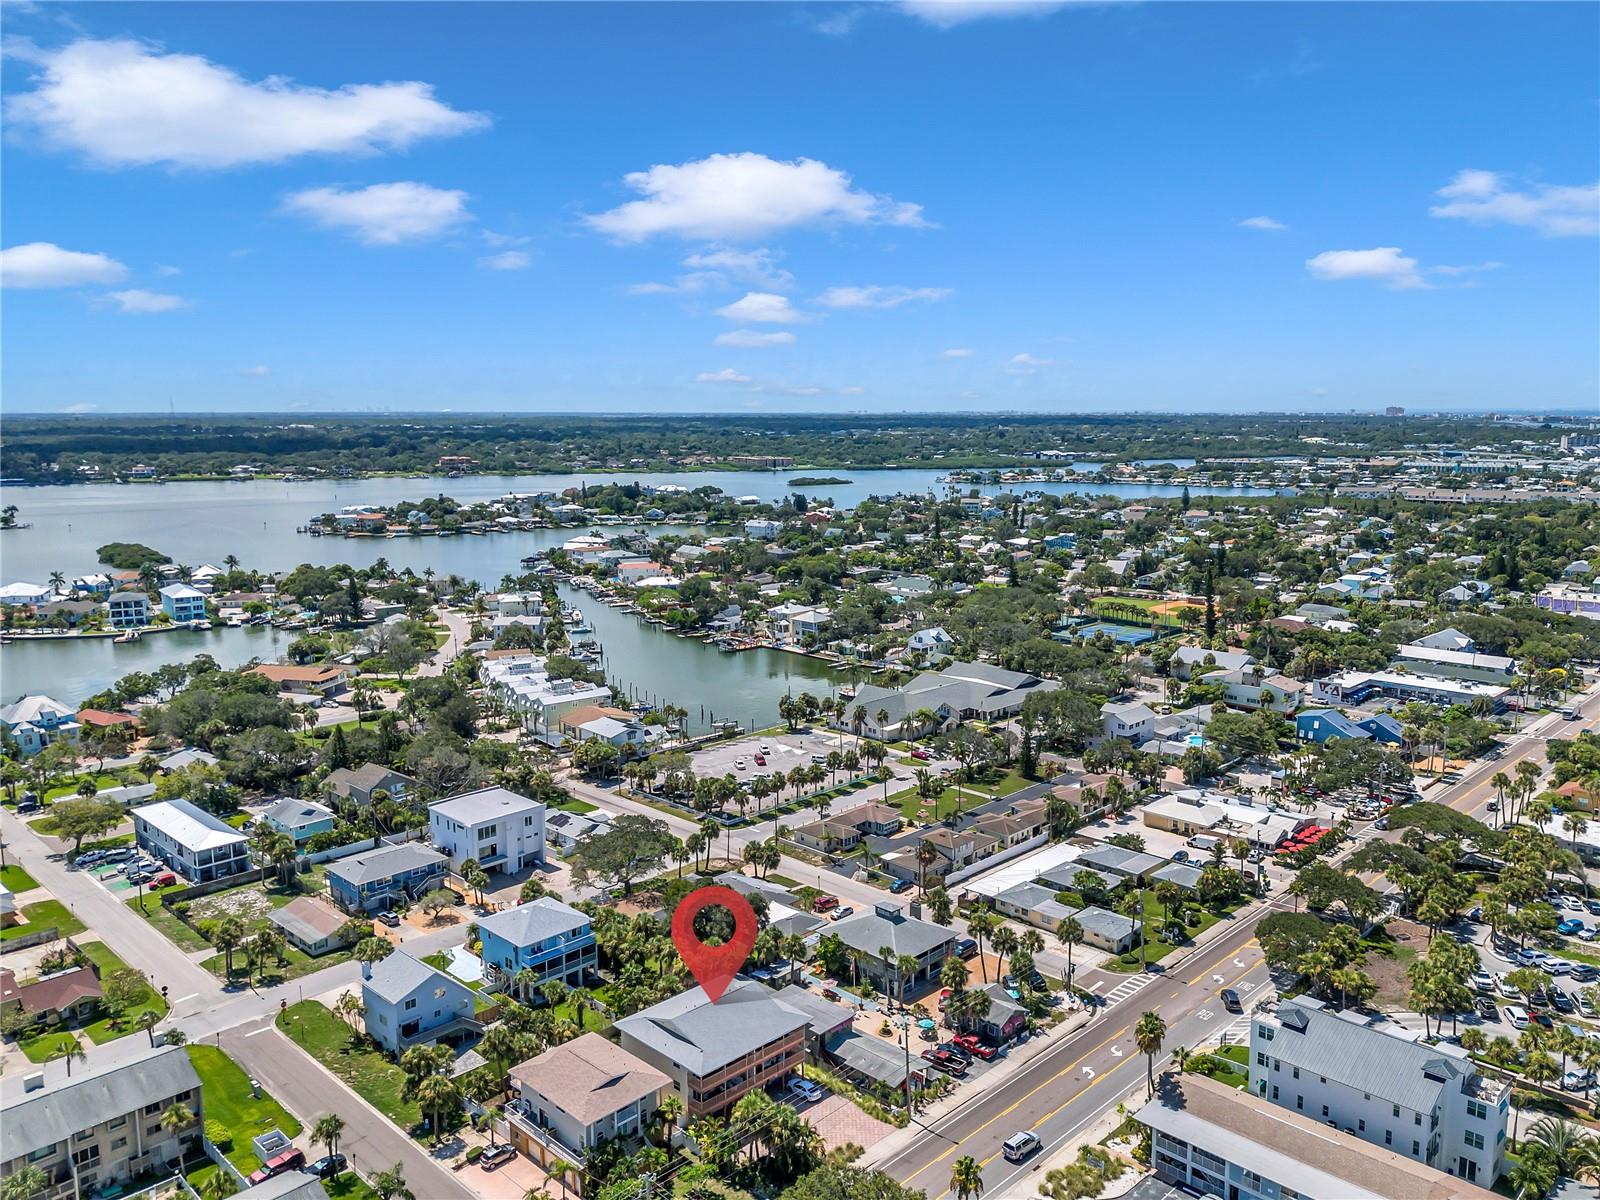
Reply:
x=763, y=528
x=36, y=721
x=934, y=642
x=25, y=593
x=190, y=840
x=496, y=826
x=1428, y=1103
x=1135, y=721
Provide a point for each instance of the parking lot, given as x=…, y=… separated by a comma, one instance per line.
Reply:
x=785, y=751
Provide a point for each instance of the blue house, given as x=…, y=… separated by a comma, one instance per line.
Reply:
x=1061, y=541
x=1320, y=724
x=380, y=879
x=551, y=939
x=300, y=819
x=406, y=1003
x=183, y=603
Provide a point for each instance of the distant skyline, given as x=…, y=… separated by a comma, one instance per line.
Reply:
x=935, y=205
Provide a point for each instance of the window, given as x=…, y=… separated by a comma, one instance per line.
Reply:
x=1251, y=1180
x=1416, y=1118
x=1361, y=1125
x=1388, y=1137
x=1477, y=1110
x=1266, y=1032
x=87, y=1155
x=1324, y=1110
x=1397, y=1110
x=1474, y=1140
x=1300, y=1103
x=410, y=1004
x=152, y=1108
x=1261, y=1058
x=1274, y=1091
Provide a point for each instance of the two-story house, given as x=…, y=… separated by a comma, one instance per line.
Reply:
x=381, y=879
x=190, y=840
x=300, y=819
x=716, y=1053
x=93, y=1131
x=886, y=925
x=405, y=1002
x=500, y=829
x=1428, y=1103
x=128, y=609
x=1135, y=721
x=35, y=721
x=359, y=783
x=575, y=1095
x=549, y=940
x=183, y=603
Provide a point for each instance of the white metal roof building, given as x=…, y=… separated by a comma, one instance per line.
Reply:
x=190, y=840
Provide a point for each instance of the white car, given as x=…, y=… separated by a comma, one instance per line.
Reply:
x=804, y=1090
x=738, y=764
x=1506, y=990
x=1557, y=966
x=1516, y=1016
x=765, y=749
x=1483, y=982
x=1572, y=903
x=1577, y=1081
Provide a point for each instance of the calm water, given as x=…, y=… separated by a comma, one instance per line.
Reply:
x=198, y=523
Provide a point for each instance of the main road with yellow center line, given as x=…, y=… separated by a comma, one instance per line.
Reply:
x=1074, y=1083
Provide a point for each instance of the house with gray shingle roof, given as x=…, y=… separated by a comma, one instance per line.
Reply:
x=407, y=1002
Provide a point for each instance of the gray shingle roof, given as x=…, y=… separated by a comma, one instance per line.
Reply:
x=397, y=976
x=534, y=922
x=30, y=1121
x=871, y=930
x=689, y=1029
x=383, y=863
x=1369, y=1060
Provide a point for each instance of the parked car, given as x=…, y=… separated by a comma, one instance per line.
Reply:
x=739, y=764
x=1572, y=903
x=945, y=1061
x=288, y=1160
x=137, y=877
x=1557, y=966
x=1019, y=1145
x=1486, y=1008
x=966, y=948
x=1483, y=981
x=165, y=879
x=761, y=760
x=921, y=755
x=1582, y=973
x=1585, y=1006
x=957, y=1049
x=1570, y=926
x=1577, y=1081
x=804, y=1090
x=900, y=885
x=1516, y=1016
x=328, y=1166
x=1180, y=856
x=1593, y=906
x=89, y=859
x=973, y=1044
x=824, y=903
x=842, y=912
x=497, y=1155
x=391, y=919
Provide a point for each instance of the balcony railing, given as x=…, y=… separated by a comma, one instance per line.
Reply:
x=545, y=1136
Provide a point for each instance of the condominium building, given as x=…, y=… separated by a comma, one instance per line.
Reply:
x=191, y=840
x=102, y=1127
x=1427, y=1103
x=500, y=829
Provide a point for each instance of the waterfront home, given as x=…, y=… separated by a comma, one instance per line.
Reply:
x=381, y=879
x=73, y=612
x=714, y=1054
x=524, y=685
x=886, y=925
x=357, y=784
x=575, y=1095
x=933, y=642
x=405, y=1002
x=311, y=924
x=322, y=680
x=300, y=819
x=17, y=595
x=94, y=584
x=550, y=940
x=763, y=528
x=961, y=691
x=35, y=721
x=190, y=840
x=183, y=603
x=98, y=718
x=92, y=1132
x=797, y=621
x=495, y=826
x=61, y=998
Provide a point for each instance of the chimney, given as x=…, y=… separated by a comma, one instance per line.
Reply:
x=366, y=970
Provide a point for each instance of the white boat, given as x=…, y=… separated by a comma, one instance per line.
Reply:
x=202, y=626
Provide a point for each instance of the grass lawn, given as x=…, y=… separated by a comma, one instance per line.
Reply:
x=63, y=791
x=101, y=1031
x=329, y=1040
x=45, y=825
x=1159, y=947
x=42, y=1047
x=348, y=1186
x=1223, y=1066
x=16, y=879
x=42, y=914
x=161, y=917
x=571, y=804
x=116, y=842
x=228, y=1101
x=298, y=964
x=237, y=820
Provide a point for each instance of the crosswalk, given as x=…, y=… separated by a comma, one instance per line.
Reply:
x=1127, y=988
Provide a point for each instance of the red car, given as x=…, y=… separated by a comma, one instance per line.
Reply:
x=761, y=760
x=921, y=755
x=944, y=999
x=972, y=1045
x=824, y=903
x=278, y=1164
x=167, y=879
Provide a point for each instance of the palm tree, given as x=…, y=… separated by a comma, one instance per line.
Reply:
x=27, y=1182
x=147, y=1021
x=966, y=1177
x=558, y=1170
x=1148, y=1033
x=391, y=1184
x=71, y=1049
x=927, y=855
x=328, y=1129
x=176, y=1117
x=438, y=1094
x=499, y=1046
x=1069, y=933
x=979, y=924
x=671, y=1108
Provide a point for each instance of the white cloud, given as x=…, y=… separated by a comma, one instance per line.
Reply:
x=726, y=375
x=383, y=214
x=506, y=260
x=122, y=103
x=738, y=197
x=139, y=302
x=946, y=14
x=1469, y=268
x=80, y=408
x=1266, y=223
x=841, y=21
x=698, y=281
x=958, y=352
x=754, y=339
x=1382, y=264
x=503, y=239
x=1483, y=198
x=758, y=268
x=257, y=371
x=1027, y=364
x=165, y=272
x=875, y=296
x=763, y=308
x=46, y=265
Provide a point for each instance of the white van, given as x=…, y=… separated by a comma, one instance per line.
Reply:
x=1204, y=841
x=1516, y=1016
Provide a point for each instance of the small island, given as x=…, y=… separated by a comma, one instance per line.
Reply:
x=817, y=481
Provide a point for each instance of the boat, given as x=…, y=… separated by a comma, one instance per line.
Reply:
x=200, y=626
x=132, y=635
x=235, y=622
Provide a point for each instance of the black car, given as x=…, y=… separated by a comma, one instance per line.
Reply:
x=327, y=1166
x=1486, y=1009
x=966, y=948
x=900, y=885
x=1230, y=1000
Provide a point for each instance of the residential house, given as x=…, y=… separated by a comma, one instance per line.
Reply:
x=563, y=830
x=1189, y=660
x=933, y=642
x=406, y=1002
x=1252, y=688
x=68, y=997
x=97, y=718
x=1377, y=1082
x=1133, y=865
x=359, y=783
x=962, y=690
x=551, y=941
x=524, y=685
x=1324, y=724
x=96, y=1130
x=572, y=1097
x=33, y=722
x=129, y=609
x=73, y=612
x=381, y=879
x=887, y=925
x=183, y=603
x=186, y=758
x=1005, y=1017
x=1211, y=1139
x=311, y=924
x=500, y=829
x=17, y=595
x=1135, y=721
x=714, y=1054
x=326, y=679
x=763, y=528
x=190, y=840
x=300, y=819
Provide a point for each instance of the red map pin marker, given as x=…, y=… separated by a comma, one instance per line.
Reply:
x=714, y=966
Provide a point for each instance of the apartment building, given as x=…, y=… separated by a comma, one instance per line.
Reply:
x=102, y=1127
x=190, y=840
x=1426, y=1103
x=716, y=1053
x=496, y=826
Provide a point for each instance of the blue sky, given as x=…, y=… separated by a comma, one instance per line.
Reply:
x=798, y=207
